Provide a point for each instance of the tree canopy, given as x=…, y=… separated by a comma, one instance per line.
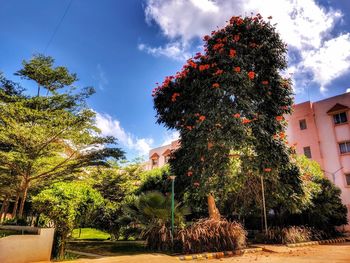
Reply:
x=229, y=103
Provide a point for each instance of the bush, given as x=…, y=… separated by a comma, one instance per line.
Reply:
x=212, y=235
x=292, y=234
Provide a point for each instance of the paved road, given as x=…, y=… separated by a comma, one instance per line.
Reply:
x=335, y=253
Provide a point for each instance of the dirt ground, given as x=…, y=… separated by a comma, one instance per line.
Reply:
x=312, y=254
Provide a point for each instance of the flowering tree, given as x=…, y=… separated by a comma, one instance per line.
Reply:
x=229, y=103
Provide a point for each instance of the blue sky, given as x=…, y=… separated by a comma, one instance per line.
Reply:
x=123, y=47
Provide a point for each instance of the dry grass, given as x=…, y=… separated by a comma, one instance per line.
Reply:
x=212, y=235
x=292, y=234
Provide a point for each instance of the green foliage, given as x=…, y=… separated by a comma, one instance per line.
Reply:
x=64, y=204
x=40, y=69
x=46, y=139
x=156, y=179
x=230, y=99
x=152, y=213
x=327, y=209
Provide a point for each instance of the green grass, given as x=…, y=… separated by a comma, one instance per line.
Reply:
x=110, y=248
x=90, y=233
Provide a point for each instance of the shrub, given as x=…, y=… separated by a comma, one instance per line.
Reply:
x=292, y=234
x=212, y=235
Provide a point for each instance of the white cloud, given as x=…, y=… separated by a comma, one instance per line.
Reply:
x=174, y=50
x=169, y=137
x=328, y=62
x=347, y=90
x=101, y=77
x=112, y=127
x=303, y=24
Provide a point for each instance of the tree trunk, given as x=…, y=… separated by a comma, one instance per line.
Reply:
x=3, y=207
x=6, y=208
x=62, y=247
x=213, y=210
x=15, y=206
x=23, y=200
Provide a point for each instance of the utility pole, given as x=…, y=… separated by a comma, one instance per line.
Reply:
x=172, y=178
x=263, y=199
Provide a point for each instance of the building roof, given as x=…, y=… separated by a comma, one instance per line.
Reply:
x=337, y=108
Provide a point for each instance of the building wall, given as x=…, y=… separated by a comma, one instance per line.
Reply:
x=27, y=248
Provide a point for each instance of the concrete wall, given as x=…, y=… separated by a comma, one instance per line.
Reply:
x=27, y=248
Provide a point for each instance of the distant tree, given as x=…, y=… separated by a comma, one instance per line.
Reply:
x=40, y=69
x=64, y=204
x=230, y=99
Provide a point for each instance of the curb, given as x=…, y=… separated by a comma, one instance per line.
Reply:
x=321, y=242
x=219, y=255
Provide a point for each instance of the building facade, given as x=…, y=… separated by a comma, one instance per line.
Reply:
x=319, y=130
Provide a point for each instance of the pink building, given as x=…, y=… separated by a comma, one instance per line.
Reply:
x=320, y=130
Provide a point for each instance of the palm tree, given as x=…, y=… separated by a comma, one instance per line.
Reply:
x=152, y=213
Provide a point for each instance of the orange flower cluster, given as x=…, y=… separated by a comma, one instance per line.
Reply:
x=196, y=184
x=202, y=118
x=237, y=115
x=236, y=20
x=251, y=74
x=216, y=85
x=218, y=72
x=206, y=38
x=264, y=82
x=236, y=38
x=232, y=53
x=210, y=145
x=174, y=96
x=218, y=46
x=204, y=67
x=237, y=69
x=267, y=170
x=279, y=118
x=245, y=121
x=189, y=173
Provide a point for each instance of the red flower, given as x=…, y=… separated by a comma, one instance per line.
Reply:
x=267, y=170
x=237, y=69
x=218, y=46
x=189, y=173
x=251, y=74
x=232, y=53
x=189, y=128
x=202, y=118
x=245, y=121
x=206, y=38
x=236, y=37
x=216, y=85
x=174, y=96
x=237, y=115
x=219, y=72
x=210, y=145
x=279, y=118
x=282, y=135
x=265, y=82
x=204, y=67
x=196, y=184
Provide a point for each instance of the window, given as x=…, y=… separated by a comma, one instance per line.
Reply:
x=166, y=158
x=302, y=124
x=344, y=147
x=154, y=162
x=307, y=152
x=340, y=118
x=347, y=177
